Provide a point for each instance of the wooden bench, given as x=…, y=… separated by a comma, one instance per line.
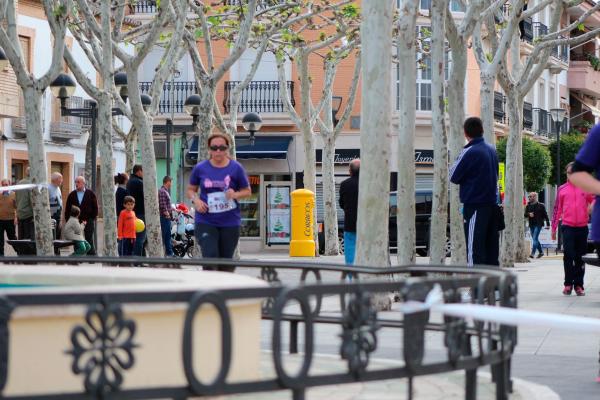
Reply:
x=27, y=247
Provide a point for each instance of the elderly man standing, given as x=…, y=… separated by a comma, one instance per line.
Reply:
x=164, y=207
x=56, y=203
x=26, y=228
x=87, y=202
x=8, y=214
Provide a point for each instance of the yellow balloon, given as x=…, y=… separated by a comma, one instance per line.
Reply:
x=139, y=225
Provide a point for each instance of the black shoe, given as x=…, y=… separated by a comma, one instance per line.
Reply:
x=532, y=256
x=540, y=255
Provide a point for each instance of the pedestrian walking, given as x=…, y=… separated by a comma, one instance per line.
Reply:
x=121, y=182
x=8, y=214
x=74, y=231
x=85, y=199
x=56, y=203
x=164, y=208
x=349, y=203
x=126, y=227
x=572, y=207
x=536, y=214
x=135, y=187
x=26, y=227
x=476, y=172
x=222, y=182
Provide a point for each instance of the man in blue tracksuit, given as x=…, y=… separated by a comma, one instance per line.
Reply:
x=476, y=171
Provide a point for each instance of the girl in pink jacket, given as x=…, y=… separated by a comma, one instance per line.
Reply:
x=572, y=207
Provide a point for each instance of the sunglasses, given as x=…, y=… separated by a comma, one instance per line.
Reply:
x=220, y=148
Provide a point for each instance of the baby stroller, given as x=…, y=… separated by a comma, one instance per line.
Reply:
x=182, y=232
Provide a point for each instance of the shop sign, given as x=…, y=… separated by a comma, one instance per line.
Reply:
x=344, y=156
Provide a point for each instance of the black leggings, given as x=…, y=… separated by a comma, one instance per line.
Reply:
x=217, y=242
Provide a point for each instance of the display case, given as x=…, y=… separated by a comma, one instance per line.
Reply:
x=250, y=210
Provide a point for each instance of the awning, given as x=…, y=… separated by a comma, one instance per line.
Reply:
x=595, y=111
x=265, y=147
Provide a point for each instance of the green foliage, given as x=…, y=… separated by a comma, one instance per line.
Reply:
x=537, y=165
x=569, y=146
x=581, y=27
x=59, y=11
x=350, y=11
x=594, y=61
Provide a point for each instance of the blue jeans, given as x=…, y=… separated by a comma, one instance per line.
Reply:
x=535, y=239
x=349, y=247
x=140, y=239
x=217, y=242
x=126, y=247
x=165, y=228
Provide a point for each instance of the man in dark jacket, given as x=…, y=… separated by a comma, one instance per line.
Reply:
x=536, y=213
x=476, y=171
x=349, y=203
x=135, y=187
x=87, y=202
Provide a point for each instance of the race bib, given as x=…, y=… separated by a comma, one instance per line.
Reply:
x=218, y=203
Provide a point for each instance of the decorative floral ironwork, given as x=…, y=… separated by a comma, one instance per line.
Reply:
x=103, y=349
x=359, y=339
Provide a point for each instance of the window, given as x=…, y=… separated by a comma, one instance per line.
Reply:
x=424, y=74
x=455, y=5
x=25, y=43
x=542, y=95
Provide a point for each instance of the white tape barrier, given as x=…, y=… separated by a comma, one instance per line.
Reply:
x=501, y=315
x=25, y=186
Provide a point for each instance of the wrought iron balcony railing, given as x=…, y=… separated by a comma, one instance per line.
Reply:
x=541, y=122
x=539, y=30
x=499, y=107
x=144, y=7
x=527, y=116
x=173, y=97
x=526, y=28
x=259, y=96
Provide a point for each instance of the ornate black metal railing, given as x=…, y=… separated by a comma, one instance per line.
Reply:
x=469, y=345
x=144, y=7
x=539, y=30
x=173, y=96
x=526, y=30
x=541, y=122
x=258, y=96
x=527, y=116
x=499, y=107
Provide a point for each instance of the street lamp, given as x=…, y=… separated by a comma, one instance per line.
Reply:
x=3, y=60
x=192, y=107
x=557, y=114
x=64, y=86
x=252, y=123
x=336, y=103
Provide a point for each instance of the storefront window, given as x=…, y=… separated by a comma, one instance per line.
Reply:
x=250, y=209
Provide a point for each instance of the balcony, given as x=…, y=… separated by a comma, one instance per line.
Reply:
x=259, y=96
x=526, y=29
x=61, y=130
x=19, y=127
x=144, y=7
x=541, y=122
x=178, y=93
x=499, y=107
x=583, y=77
x=527, y=116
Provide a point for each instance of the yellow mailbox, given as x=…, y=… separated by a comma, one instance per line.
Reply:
x=303, y=205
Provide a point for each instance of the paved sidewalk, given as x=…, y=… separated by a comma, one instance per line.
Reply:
x=433, y=387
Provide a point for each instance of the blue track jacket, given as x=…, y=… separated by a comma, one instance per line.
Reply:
x=476, y=171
